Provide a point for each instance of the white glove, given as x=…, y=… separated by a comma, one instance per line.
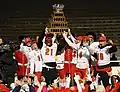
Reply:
x=25, y=87
x=43, y=84
x=12, y=86
x=65, y=33
x=68, y=79
x=77, y=77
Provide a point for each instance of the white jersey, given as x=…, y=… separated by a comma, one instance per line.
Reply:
x=48, y=53
x=60, y=61
x=103, y=55
x=35, y=61
x=93, y=46
x=83, y=58
x=35, y=55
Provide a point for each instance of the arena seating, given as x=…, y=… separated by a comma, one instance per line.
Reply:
x=22, y=23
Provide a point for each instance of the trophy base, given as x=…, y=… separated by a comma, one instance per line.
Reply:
x=58, y=31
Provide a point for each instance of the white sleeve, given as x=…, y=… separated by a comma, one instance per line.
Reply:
x=62, y=56
x=42, y=52
x=21, y=47
x=108, y=47
x=21, y=44
x=43, y=40
x=73, y=45
x=93, y=47
x=73, y=39
x=54, y=37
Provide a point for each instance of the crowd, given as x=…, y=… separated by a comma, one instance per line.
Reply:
x=58, y=63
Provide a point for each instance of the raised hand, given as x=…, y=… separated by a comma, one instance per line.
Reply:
x=55, y=34
x=69, y=32
x=102, y=34
x=46, y=31
x=110, y=41
x=77, y=77
x=65, y=33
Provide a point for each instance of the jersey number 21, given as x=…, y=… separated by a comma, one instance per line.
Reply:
x=49, y=51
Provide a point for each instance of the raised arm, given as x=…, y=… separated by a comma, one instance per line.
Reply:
x=113, y=47
x=73, y=45
x=54, y=37
x=71, y=36
x=43, y=40
x=47, y=33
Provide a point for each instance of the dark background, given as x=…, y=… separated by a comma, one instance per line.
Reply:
x=10, y=6
x=14, y=11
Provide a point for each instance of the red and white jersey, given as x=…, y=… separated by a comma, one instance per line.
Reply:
x=48, y=53
x=20, y=57
x=75, y=47
x=70, y=55
x=103, y=55
x=83, y=58
x=35, y=61
x=93, y=46
x=22, y=62
x=35, y=55
x=74, y=56
x=25, y=49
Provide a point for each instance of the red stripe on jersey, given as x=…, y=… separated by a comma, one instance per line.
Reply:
x=104, y=69
x=68, y=55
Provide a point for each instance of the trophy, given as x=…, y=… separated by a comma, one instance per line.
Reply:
x=58, y=7
x=57, y=23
